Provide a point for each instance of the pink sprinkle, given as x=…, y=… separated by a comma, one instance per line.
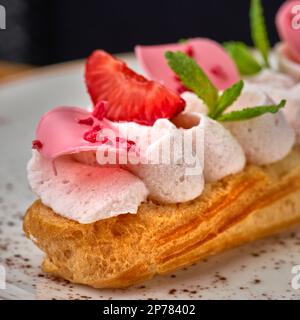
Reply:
x=97, y=127
x=88, y=121
x=37, y=145
x=99, y=110
x=190, y=51
x=129, y=143
x=218, y=71
x=91, y=136
x=105, y=140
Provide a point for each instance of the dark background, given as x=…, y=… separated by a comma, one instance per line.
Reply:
x=48, y=31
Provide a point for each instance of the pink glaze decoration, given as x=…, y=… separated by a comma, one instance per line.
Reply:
x=287, y=19
x=61, y=131
x=211, y=56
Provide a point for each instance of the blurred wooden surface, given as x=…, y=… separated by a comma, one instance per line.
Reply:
x=7, y=69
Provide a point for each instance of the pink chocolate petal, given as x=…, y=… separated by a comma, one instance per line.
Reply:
x=68, y=130
x=287, y=20
x=211, y=56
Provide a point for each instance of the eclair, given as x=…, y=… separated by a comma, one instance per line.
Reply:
x=162, y=171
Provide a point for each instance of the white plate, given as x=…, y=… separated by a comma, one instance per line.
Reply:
x=261, y=270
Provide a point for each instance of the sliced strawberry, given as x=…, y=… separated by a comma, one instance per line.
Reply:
x=130, y=96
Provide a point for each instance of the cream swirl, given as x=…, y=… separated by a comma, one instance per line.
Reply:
x=265, y=139
x=292, y=108
x=84, y=193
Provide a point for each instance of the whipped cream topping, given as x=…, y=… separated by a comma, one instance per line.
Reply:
x=84, y=193
x=265, y=139
x=256, y=136
x=292, y=108
x=180, y=177
x=271, y=78
x=280, y=86
x=214, y=146
x=170, y=183
x=285, y=62
x=222, y=153
x=193, y=103
x=202, y=150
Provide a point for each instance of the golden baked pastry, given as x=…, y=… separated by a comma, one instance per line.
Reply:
x=124, y=250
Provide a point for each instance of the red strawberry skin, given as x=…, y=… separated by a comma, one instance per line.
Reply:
x=130, y=96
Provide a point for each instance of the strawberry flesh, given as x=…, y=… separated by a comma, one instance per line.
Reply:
x=130, y=96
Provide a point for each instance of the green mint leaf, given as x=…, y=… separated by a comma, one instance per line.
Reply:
x=193, y=77
x=244, y=60
x=228, y=97
x=249, y=113
x=258, y=30
x=183, y=40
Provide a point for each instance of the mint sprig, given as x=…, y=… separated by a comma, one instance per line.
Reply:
x=227, y=98
x=244, y=59
x=249, y=113
x=259, y=31
x=195, y=79
x=242, y=55
x=183, y=40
